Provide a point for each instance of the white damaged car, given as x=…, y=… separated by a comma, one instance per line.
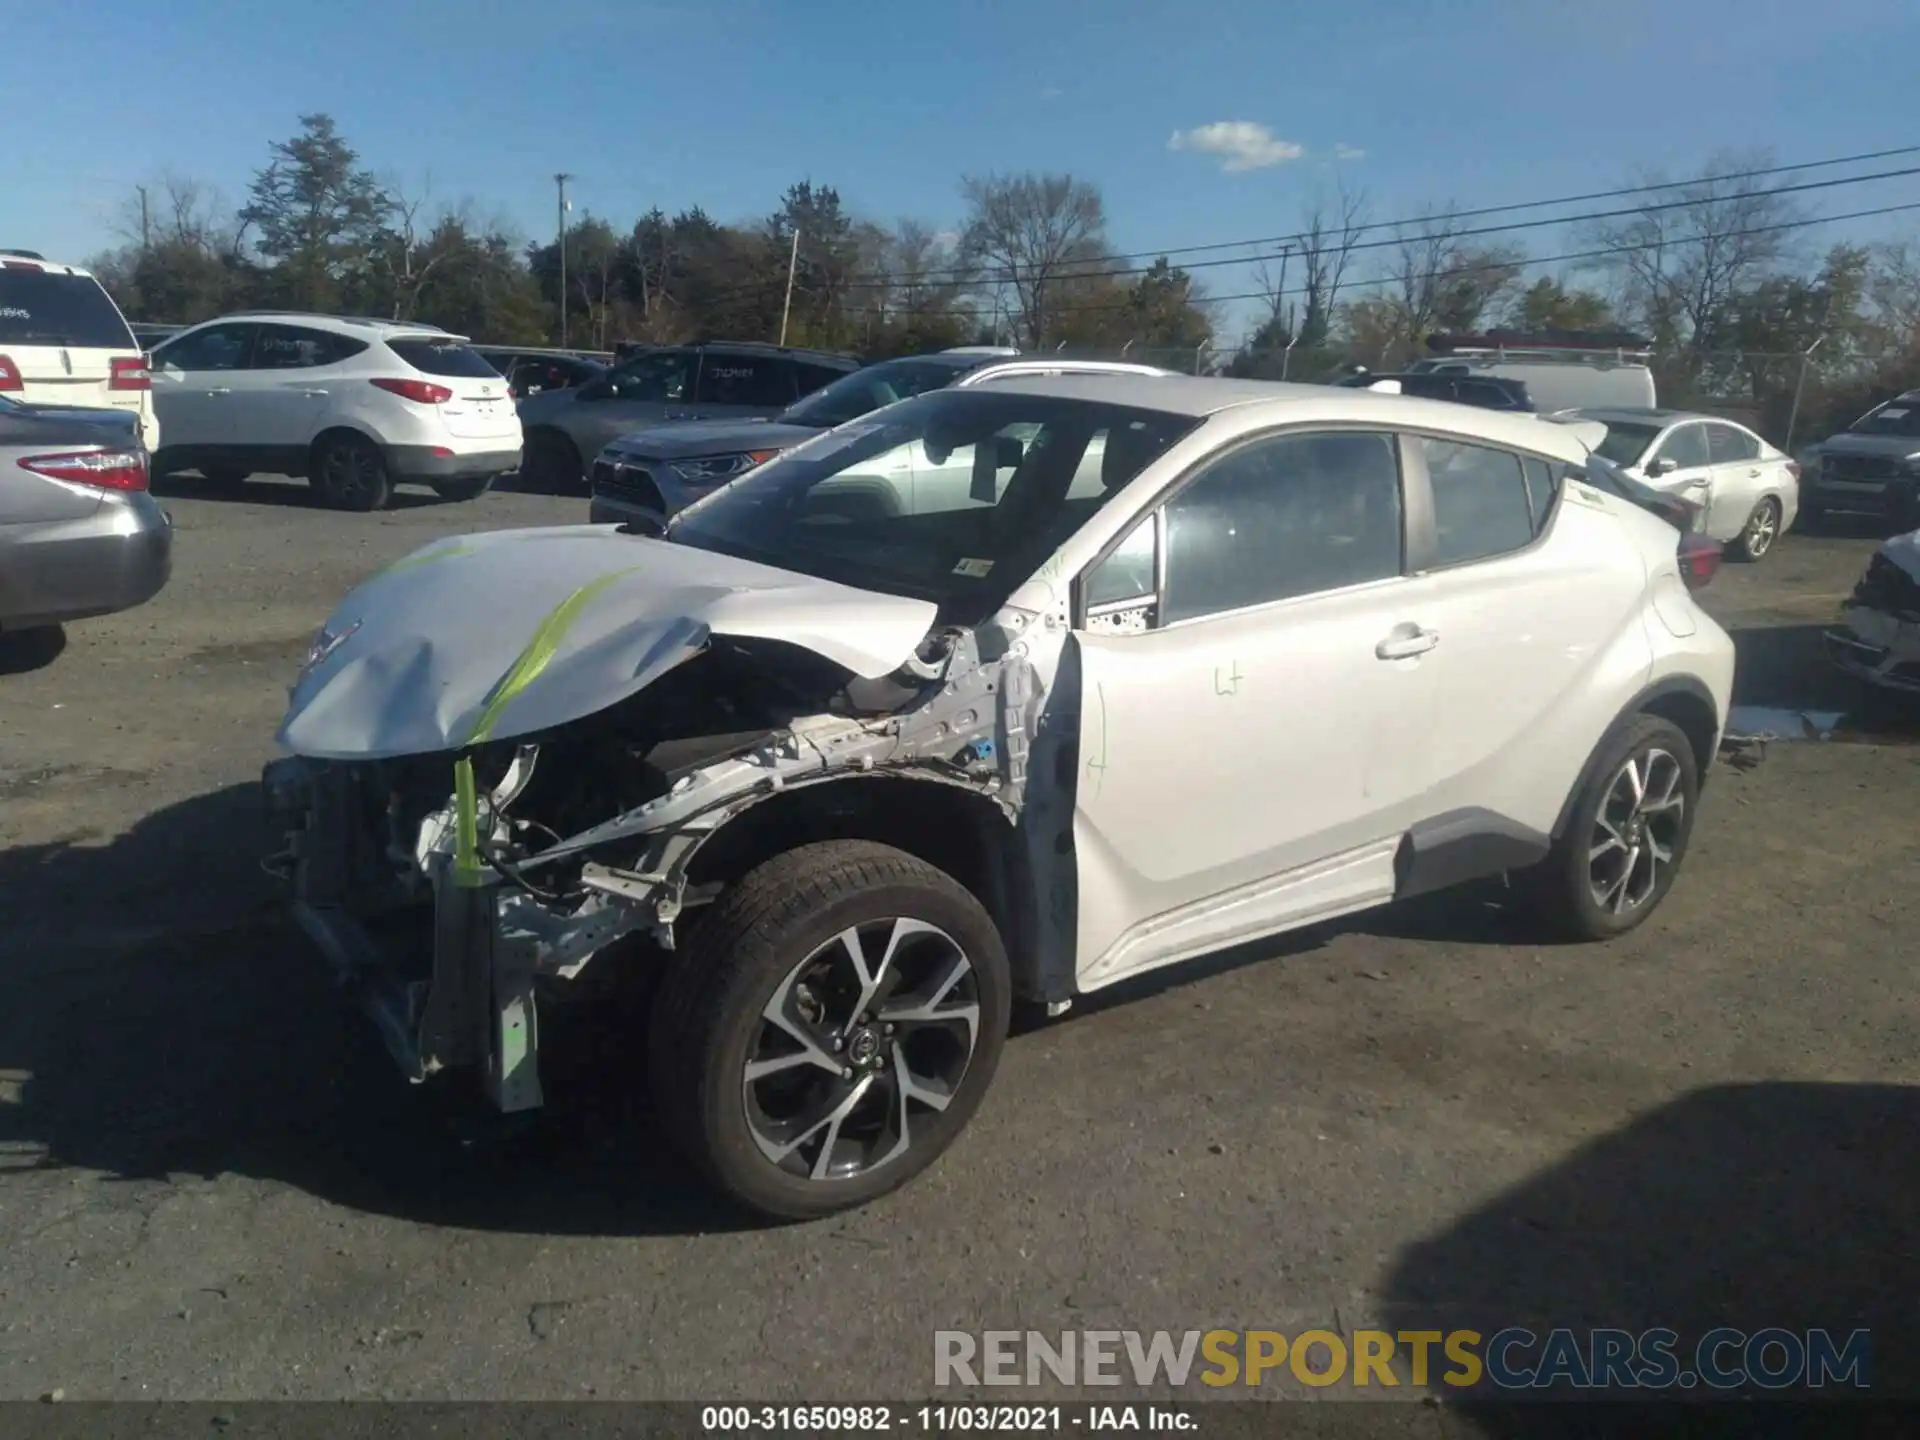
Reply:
x=856, y=767
x=1878, y=637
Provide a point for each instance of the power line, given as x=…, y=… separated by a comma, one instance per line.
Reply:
x=1102, y=270
x=1481, y=267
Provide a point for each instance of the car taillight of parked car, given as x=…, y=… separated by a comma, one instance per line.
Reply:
x=129, y=372
x=96, y=469
x=10, y=375
x=1699, y=560
x=421, y=392
x=1793, y=471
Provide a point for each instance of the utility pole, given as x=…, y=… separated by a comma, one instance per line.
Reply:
x=146, y=222
x=793, y=261
x=560, y=236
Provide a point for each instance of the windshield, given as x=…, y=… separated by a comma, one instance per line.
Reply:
x=40, y=307
x=1900, y=417
x=1625, y=443
x=867, y=390
x=955, y=497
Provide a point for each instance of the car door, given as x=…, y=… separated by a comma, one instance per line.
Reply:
x=1738, y=479
x=743, y=386
x=1255, y=696
x=1682, y=464
x=285, y=395
x=1535, y=601
x=193, y=385
x=649, y=389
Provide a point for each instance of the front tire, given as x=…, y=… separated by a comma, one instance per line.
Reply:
x=350, y=473
x=468, y=489
x=829, y=1028
x=1762, y=529
x=1626, y=838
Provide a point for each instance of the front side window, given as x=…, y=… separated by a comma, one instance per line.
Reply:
x=843, y=506
x=660, y=375
x=1481, y=501
x=1685, y=447
x=218, y=347
x=1280, y=518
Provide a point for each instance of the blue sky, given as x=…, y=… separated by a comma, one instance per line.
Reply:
x=726, y=102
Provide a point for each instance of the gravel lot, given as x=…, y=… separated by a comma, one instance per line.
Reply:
x=212, y=1185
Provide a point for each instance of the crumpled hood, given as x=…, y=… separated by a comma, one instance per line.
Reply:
x=490, y=636
x=686, y=438
x=1904, y=551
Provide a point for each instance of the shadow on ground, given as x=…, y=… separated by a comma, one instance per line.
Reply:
x=279, y=491
x=1744, y=1206
x=24, y=651
x=167, y=1020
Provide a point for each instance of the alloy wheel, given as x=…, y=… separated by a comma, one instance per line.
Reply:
x=859, y=1043
x=352, y=472
x=1636, y=831
x=1762, y=529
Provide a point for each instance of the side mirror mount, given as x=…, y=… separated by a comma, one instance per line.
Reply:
x=1665, y=465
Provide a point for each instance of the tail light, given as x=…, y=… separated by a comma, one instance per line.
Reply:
x=10, y=375
x=1699, y=560
x=1794, y=471
x=129, y=372
x=421, y=392
x=97, y=469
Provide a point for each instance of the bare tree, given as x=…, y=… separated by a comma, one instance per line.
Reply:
x=401, y=253
x=1895, y=291
x=1683, y=257
x=1330, y=228
x=1035, y=234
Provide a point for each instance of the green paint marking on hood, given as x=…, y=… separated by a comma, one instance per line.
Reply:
x=427, y=557
x=538, y=654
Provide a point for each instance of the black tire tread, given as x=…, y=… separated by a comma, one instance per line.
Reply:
x=736, y=941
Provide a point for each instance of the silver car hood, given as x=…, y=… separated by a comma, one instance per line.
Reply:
x=491, y=636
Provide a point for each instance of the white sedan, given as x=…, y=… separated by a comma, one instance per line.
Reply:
x=1746, y=491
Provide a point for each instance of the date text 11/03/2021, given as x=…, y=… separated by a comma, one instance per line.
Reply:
x=942, y=1419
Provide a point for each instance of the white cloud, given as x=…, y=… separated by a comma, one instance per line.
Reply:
x=1240, y=144
x=1348, y=152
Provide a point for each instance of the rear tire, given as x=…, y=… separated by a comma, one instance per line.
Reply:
x=1617, y=858
x=552, y=463
x=350, y=473
x=470, y=489
x=1762, y=529
x=935, y=992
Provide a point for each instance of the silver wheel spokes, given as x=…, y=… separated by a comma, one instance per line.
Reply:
x=857, y=1044
x=1760, y=529
x=1636, y=832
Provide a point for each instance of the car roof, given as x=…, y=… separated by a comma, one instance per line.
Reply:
x=1632, y=415
x=1201, y=397
x=26, y=260
x=346, y=324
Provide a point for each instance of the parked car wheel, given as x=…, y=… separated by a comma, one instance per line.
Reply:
x=1627, y=836
x=552, y=463
x=829, y=1028
x=1762, y=529
x=471, y=489
x=351, y=474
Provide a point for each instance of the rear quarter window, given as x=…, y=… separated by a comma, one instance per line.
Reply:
x=443, y=357
x=43, y=307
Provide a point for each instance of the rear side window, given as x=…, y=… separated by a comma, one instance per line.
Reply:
x=40, y=307
x=293, y=347
x=1728, y=444
x=1481, y=501
x=443, y=357
x=758, y=380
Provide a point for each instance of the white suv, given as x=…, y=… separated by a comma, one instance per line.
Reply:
x=863, y=775
x=64, y=342
x=355, y=406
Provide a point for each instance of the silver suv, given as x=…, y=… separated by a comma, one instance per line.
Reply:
x=645, y=478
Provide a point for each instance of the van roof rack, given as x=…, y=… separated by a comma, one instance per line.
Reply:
x=1621, y=346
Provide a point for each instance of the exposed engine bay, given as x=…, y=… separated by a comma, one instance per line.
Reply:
x=443, y=886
